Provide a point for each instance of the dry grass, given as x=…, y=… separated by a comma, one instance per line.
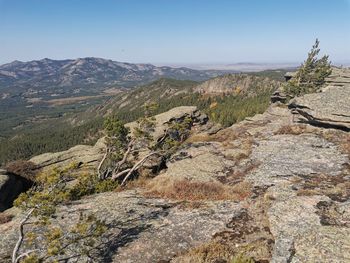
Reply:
x=341, y=192
x=292, y=129
x=246, y=146
x=4, y=218
x=307, y=192
x=187, y=190
x=215, y=251
x=247, y=238
x=209, y=253
x=241, y=156
x=227, y=135
x=198, y=138
x=140, y=182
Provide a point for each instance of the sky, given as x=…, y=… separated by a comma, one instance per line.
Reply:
x=174, y=31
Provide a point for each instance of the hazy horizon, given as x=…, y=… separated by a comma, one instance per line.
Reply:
x=248, y=66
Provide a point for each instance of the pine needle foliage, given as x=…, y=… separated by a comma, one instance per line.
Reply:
x=311, y=74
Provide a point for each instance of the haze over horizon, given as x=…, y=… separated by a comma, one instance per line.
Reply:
x=176, y=33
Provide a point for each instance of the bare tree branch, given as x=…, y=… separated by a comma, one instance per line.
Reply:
x=21, y=236
x=137, y=166
x=116, y=176
x=125, y=157
x=102, y=161
x=26, y=254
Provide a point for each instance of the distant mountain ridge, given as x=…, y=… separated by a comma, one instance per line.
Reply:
x=96, y=73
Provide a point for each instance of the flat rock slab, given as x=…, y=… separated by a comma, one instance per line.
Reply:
x=328, y=244
x=88, y=156
x=283, y=156
x=339, y=77
x=294, y=220
x=330, y=108
x=176, y=233
x=202, y=162
x=140, y=229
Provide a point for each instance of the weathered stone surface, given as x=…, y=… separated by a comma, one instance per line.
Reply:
x=85, y=155
x=290, y=211
x=141, y=229
x=279, y=96
x=330, y=108
x=339, y=77
x=201, y=162
x=327, y=244
x=282, y=159
x=283, y=156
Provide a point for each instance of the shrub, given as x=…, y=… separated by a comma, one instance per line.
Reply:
x=88, y=184
x=57, y=242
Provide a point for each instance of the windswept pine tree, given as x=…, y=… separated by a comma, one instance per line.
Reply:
x=311, y=75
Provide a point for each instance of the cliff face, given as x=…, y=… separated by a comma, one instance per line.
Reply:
x=237, y=84
x=271, y=187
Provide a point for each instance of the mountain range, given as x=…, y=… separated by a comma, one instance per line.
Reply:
x=87, y=74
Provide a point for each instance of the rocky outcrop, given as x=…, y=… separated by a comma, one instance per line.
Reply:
x=141, y=229
x=177, y=114
x=280, y=96
x=284, y=195
x=86, y=156
x=331, y=106
x=339, y=77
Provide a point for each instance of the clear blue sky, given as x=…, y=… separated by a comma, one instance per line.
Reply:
x=174, y=31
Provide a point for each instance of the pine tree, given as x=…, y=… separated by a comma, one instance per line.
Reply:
x=311, y=75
